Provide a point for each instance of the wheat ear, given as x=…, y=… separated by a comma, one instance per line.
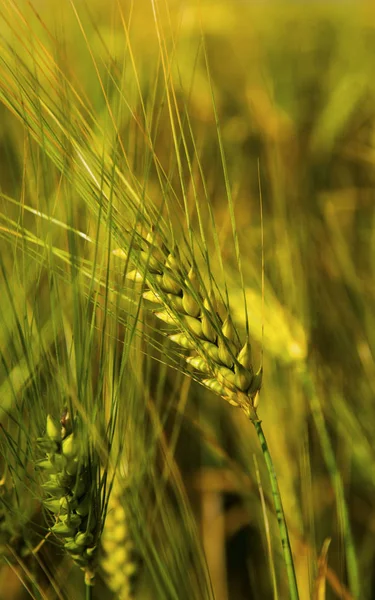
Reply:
x=71, y=493
x=202, y=321
x=118, y=558
x=218, y=353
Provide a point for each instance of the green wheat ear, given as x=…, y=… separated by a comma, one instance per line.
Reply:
x=119, y=559
x=202, y=322
x=72, y=495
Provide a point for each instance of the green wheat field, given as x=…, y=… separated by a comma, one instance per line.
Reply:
x=187, y=300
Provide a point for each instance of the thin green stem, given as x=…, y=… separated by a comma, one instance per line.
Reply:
x=285, y=542
x=88, y=592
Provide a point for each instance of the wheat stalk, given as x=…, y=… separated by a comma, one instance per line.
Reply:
x=205, y=327
x=72, y=493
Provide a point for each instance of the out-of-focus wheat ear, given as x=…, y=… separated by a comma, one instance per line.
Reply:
x=18, y=506
x=71, y=493
x=14, y=527
x=119, y=559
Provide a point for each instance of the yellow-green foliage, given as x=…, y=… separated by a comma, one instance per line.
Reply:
x=11, y=530
x=178, y=116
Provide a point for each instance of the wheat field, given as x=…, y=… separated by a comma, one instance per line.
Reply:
x=187, y=314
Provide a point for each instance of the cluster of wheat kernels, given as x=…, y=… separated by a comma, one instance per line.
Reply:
x=218, y=352
x=71, y=495
x=119, y=560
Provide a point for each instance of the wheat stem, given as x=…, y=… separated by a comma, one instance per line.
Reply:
x=281, y=521
x=88, y=595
